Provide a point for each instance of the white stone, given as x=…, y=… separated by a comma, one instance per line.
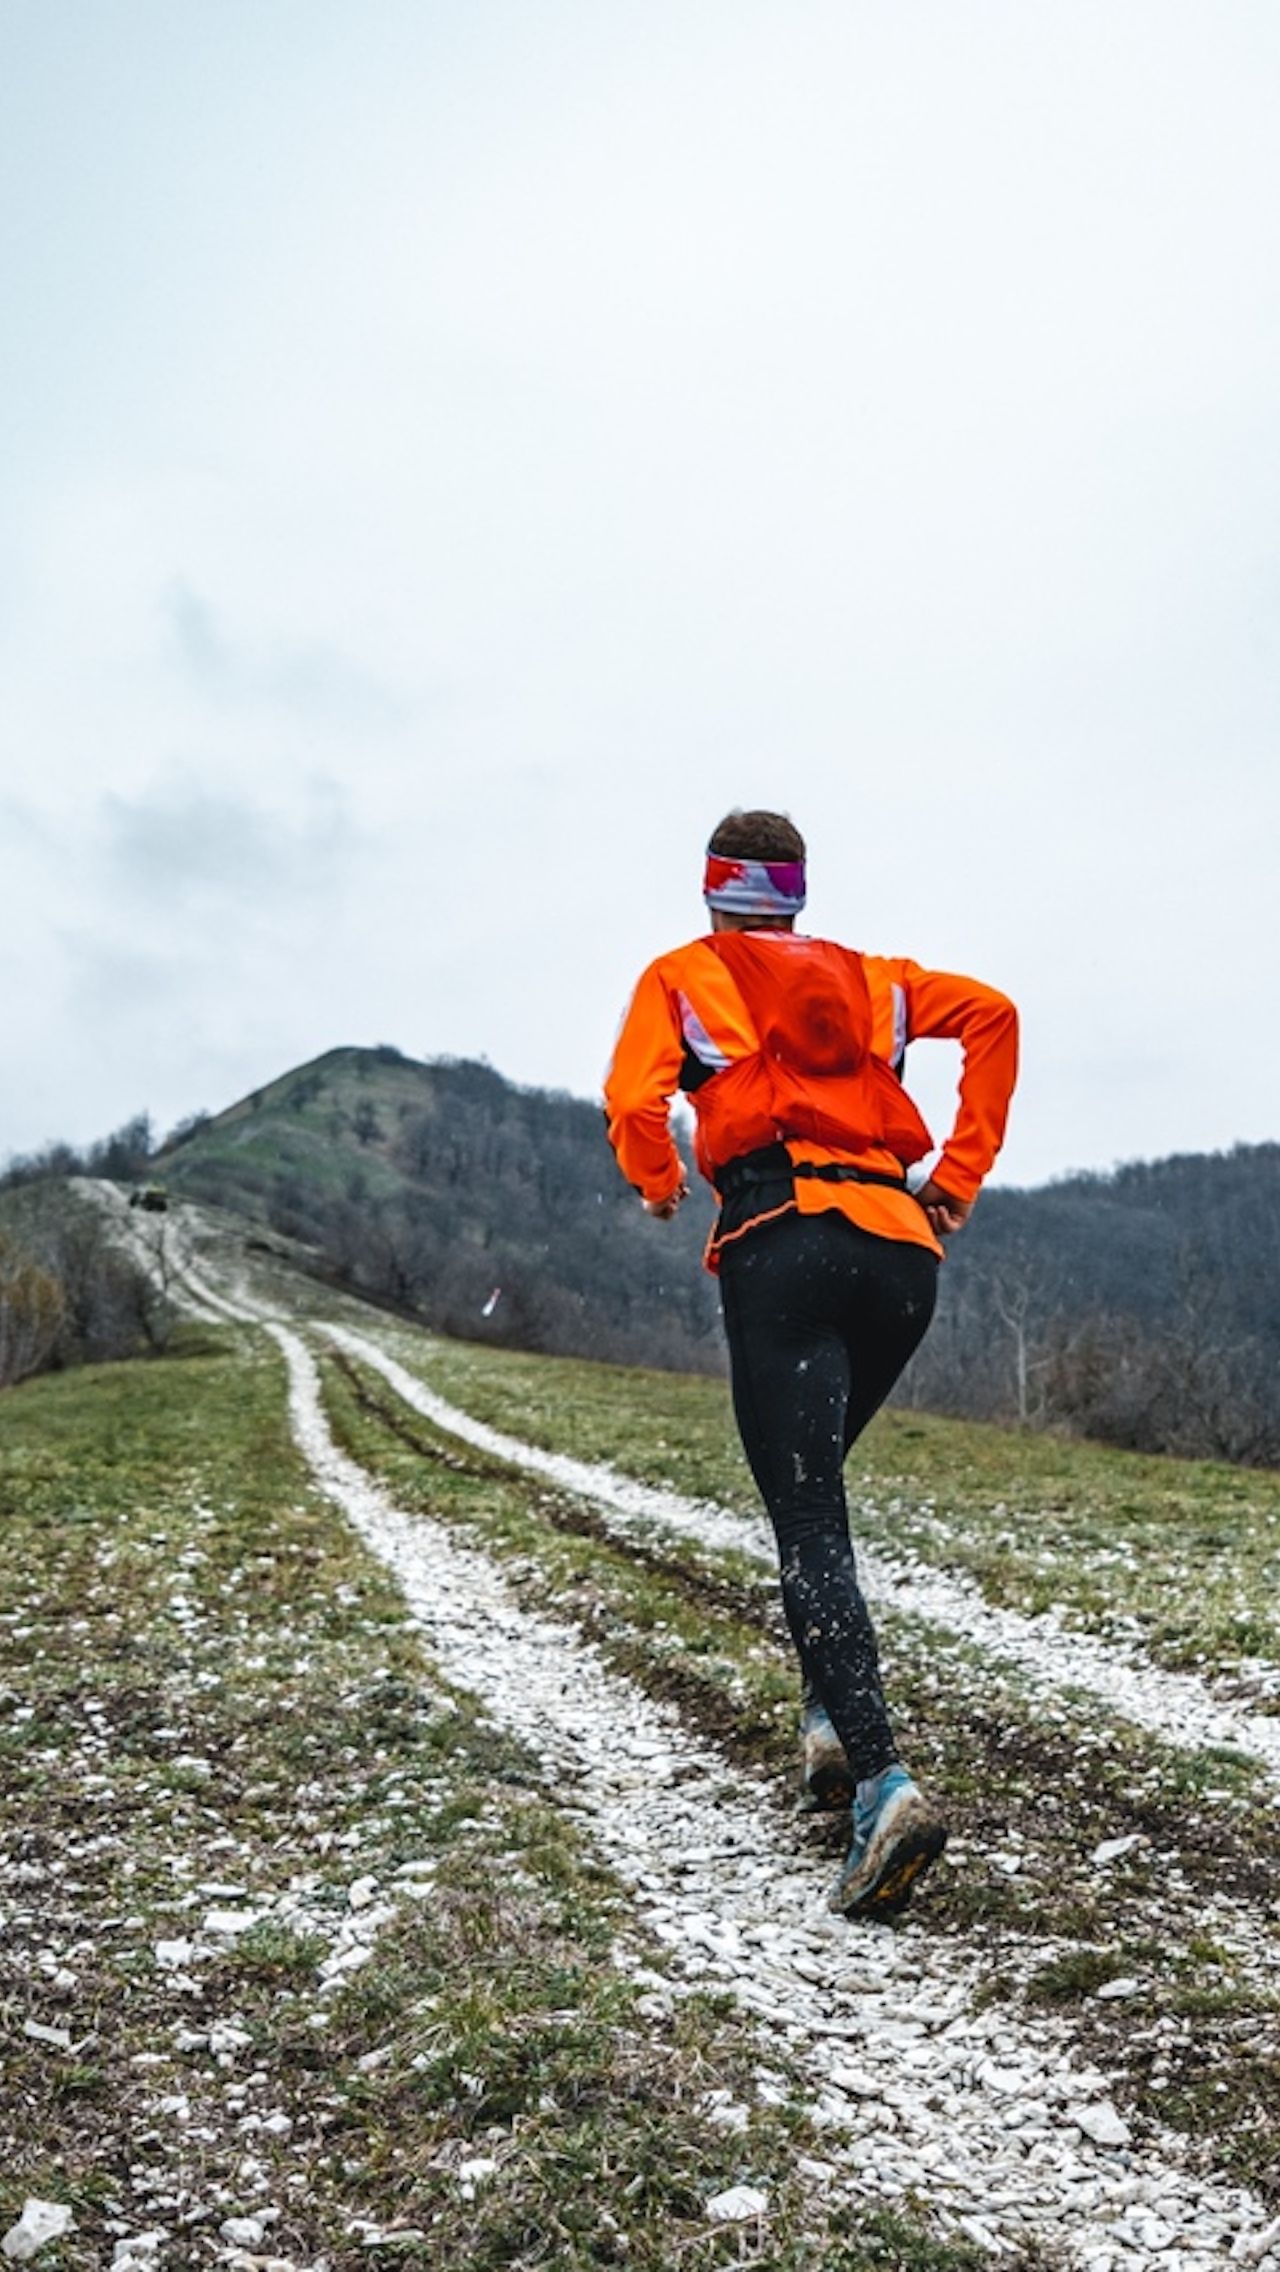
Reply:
x=227, y=1924
x=224, y=2035
x=1251, y=2248
x=171, y=1956
x=737, y=2205
x=58, y=2037
x=1112, y=1990
x=1113, y=1849
x=1101, y=2123
x=242, y=2232
x=40, y=2221
x=138, y=2248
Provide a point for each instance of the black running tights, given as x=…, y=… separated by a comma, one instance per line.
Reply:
x=821, y=1317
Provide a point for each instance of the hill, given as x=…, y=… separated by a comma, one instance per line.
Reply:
x=490, y=1210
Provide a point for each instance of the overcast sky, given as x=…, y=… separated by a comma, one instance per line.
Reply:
x=454, y=452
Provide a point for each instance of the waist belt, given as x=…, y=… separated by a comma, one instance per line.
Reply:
x=773, y=1161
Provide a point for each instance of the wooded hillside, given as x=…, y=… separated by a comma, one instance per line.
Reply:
x=1142, y=1307
x=440, y=1187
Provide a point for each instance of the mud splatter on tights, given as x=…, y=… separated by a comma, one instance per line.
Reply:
x=821, y=1318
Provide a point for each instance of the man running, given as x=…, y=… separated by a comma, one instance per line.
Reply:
x=790, y=1051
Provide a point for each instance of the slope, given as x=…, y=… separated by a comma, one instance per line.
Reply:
x=440, y=1187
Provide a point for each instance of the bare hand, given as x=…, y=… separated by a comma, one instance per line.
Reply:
x=664, y=1209
x=946, y=1215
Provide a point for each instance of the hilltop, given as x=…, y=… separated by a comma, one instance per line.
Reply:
x=491, y=1210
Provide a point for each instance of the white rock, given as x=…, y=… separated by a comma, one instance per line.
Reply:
x=729, y=2117
x=224, y=2035
x=1112, y=1990
x=171, y=1956
x=1250, y=2248
x=981, y=2235
x=226, y=1924
x=242, y=2232
x=737, y=2205
x=1101, y=2123
x=59, y=2037
x=1112, y=1849
x=855, y=2081
x=40, y=2221
x=138, y=2248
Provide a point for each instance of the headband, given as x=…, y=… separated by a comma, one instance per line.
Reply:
x=754, y=887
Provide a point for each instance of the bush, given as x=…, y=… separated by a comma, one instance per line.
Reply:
x=32, y=1313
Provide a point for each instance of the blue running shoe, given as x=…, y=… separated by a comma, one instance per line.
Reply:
x=828, y=1780
x=896, y=1835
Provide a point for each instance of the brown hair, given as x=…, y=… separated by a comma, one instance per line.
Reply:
x=757, y=836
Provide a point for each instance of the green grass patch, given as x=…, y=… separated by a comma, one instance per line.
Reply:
x=1183, y=1555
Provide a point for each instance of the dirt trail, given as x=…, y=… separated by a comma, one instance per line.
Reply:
x=923, y=2086
x=1177, y=1706
x=1045, y=1652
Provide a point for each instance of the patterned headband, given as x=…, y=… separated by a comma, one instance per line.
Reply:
x=754, y=887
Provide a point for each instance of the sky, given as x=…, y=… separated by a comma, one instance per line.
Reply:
x=454, y=453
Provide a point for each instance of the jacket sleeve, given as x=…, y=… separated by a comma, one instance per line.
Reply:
x=639, y=1086
x=941, y=1006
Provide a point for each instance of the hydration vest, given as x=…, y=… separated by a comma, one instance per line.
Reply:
x=813, y=1077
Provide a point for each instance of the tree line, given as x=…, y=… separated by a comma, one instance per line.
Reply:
x=1141, y=1308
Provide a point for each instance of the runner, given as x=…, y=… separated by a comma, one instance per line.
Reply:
x=790, y=1050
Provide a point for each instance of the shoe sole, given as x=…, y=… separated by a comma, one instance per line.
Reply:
x=901, y=1851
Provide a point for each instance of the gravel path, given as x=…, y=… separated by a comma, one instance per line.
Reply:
x=1048, y=1654
x=1013, y=2142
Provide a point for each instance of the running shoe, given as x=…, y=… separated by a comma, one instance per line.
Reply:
x=896, y=1835
x=828, y=1783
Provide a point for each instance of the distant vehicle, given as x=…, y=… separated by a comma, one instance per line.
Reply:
x=151, y=1197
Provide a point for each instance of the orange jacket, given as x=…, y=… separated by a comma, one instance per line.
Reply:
x=689, y=1025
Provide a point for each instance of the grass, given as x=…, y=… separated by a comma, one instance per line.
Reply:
x=1182, y=1555
x=212, y=1708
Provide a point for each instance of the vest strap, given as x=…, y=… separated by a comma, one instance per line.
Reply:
x=771, y=1161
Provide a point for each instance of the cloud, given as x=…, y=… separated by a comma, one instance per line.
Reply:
x=315, y=679
x=180, y=839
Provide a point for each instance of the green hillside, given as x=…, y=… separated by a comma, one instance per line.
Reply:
x=433, y=1186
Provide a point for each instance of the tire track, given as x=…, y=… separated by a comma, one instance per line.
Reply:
x=1013, y=2142
x=1048, y=1655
